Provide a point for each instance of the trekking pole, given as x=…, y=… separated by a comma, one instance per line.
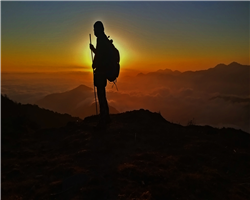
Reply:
x=93, y=76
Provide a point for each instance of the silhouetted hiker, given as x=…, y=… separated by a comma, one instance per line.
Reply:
x=100, y=63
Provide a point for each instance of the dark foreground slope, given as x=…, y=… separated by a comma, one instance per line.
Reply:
x=16, y=117
x=140, y=156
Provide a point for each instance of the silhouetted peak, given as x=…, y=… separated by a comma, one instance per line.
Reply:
x=82, y=87
x=220, y=65
x=168, y=71
x=140, y=74
x=234, y=64
x=137, y=117
x=165, y=71
x=145, y=116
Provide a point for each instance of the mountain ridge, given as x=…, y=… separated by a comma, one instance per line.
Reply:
x=232, y=79
x=221, y=65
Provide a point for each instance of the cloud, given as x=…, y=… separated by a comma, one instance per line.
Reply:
x=232, y=98
x=185, y=104
x=30, y=87
x=179, y=99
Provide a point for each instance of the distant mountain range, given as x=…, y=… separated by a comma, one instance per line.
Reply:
x=225, y=79
x=230, y=83
x=78, y=102
x=218, y=96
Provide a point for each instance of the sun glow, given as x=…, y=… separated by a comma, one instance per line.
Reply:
x=122, y=51
x=86, y=59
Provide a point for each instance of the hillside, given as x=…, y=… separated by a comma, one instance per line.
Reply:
x=140, y=156
x=26, y=116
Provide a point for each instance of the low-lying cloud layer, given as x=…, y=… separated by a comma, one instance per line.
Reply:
x=30, y=87
x=185, y=105
x=218, y=96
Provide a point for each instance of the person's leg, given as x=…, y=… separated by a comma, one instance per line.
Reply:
x=104, y=109
x=106, y=104
x=107, y=117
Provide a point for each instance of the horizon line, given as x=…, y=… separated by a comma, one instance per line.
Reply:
x=89, y=71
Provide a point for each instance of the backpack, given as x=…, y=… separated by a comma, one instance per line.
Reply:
x=113, y=69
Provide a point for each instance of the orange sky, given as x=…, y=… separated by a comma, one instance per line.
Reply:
x=54, y=36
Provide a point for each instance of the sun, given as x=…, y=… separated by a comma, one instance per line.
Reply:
x=86, y=58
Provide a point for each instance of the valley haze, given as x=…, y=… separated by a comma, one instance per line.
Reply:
x=218, y=96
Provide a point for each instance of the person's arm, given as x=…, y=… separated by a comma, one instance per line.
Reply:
x=96, y=57
x=92, y=48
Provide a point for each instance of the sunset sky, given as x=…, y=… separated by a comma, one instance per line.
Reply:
x=54, y=36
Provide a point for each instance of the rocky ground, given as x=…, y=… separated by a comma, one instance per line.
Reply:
x=139, y=156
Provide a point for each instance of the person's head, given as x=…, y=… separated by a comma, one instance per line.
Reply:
x=98, y=28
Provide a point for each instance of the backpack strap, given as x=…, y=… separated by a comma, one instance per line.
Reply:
x=114, y=83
